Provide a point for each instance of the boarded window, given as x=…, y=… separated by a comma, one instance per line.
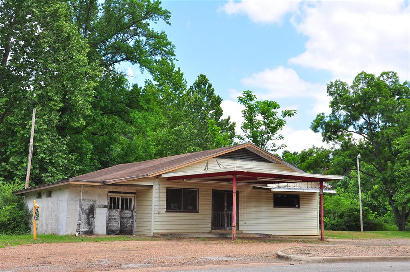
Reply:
x=182, y=200
x=286, y=201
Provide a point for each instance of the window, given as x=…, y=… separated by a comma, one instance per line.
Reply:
x=48, y=194
x=39, y=195
x=126, y=203
x=286, y=201
x=182, y=200
x=114, y=202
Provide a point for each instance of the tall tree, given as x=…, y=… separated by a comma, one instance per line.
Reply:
x=263, y=121
x=44, y=65
x=372, y=115
x=122, y=30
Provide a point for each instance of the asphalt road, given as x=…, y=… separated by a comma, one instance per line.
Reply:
x=323, y=267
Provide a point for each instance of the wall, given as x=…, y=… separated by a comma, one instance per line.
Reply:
x=219, y=164
x=143, y=214
x=60, y=213
x=257, y=214
x=53, y=211
x=256, y=211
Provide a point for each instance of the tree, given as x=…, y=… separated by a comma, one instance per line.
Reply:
x=44, y=65
x=122, y=30
x=262, y=121
x=372, y=117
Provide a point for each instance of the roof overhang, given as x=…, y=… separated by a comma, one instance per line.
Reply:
x=255, y=177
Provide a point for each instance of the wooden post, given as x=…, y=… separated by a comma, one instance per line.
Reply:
x=233, y=208
x=30, y=150
x=322, y=227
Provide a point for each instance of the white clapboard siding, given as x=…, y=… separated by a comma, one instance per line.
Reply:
x=256, y=211
x=143, y=211
x=167, y=222
x=257, y=214
x=219, y=164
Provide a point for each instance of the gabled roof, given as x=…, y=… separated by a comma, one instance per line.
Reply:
x=160, y=166
x=157, y=167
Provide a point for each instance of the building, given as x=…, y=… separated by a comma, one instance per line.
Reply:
x=188, y=193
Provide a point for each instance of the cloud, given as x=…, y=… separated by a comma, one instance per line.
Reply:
x=297, y=140
x=347, y=37
x=281, y=82
x=234, y=110
x=262, y=11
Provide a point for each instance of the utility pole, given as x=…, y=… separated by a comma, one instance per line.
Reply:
x=30, y=150
x=360, y=193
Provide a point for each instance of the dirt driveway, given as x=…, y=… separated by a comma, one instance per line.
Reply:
x=136, y=255
x=162, y=255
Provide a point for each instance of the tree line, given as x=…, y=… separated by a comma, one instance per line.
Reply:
x=62, y=58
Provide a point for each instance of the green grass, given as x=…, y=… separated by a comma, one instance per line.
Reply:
x=367, y=234
x=14, y=240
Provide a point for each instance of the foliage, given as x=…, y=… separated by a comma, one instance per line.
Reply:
x=368, y=234
x=376, y=111
x=14, y=214
x=262, y=121
x=45, y=66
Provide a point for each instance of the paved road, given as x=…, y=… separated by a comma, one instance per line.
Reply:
x=334, y=267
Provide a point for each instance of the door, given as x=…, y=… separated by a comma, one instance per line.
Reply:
x=87, y=213
x=120, y=218
x=222, y=210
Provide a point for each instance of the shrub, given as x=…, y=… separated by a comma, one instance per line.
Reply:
x=14, y=214
x=341, y=212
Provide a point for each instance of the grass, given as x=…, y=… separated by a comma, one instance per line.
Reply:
x=367, y=234
x=14, y=240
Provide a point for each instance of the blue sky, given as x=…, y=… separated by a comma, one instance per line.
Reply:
x=287, y=50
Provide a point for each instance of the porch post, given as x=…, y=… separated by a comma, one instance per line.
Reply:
x=233, y=207
x=322, y=228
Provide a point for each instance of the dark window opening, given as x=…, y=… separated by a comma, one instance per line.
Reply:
x=39, y=195
x=182, y=200
x=114, y=202
x=286, y=201
x=48, y=194
x=126, y=203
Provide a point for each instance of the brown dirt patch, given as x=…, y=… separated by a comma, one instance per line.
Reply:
x=138, y=255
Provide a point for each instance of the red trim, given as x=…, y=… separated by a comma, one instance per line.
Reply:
x=322, y=228
x=234, y=208
x=247, y=174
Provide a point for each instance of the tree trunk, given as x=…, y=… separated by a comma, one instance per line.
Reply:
x=400, y=216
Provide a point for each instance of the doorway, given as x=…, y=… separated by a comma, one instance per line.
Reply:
x=120, y=217
x=222, y=210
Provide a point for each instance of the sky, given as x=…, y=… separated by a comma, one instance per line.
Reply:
x=287, y=50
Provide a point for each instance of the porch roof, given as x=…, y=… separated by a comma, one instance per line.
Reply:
x=271, y=177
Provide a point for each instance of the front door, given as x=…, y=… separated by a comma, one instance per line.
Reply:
x=222, y=210
x=120, y=218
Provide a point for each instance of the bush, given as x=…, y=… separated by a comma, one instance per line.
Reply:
x=14, y=214
x=341, y=212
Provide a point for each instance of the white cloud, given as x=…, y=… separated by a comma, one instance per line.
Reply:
x=297, y=140
x=262, y=11
x=234, y=110
x=347, y=37
x=281, y=82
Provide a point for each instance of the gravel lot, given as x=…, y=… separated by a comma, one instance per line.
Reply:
x=138, y=255
x=370, y=247
x=163, y=255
